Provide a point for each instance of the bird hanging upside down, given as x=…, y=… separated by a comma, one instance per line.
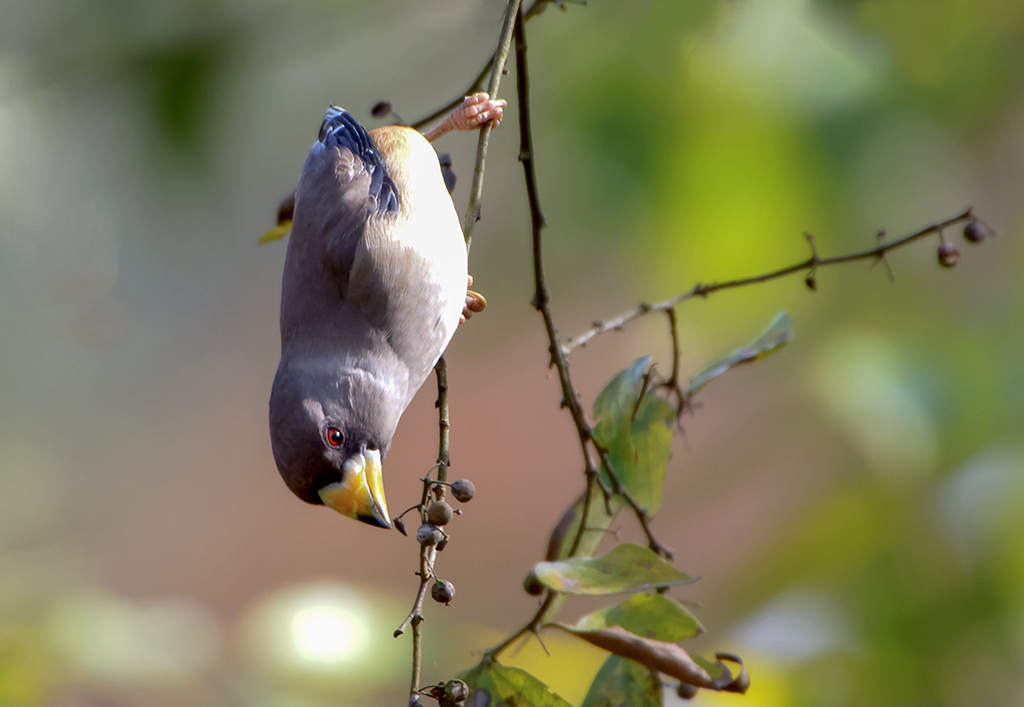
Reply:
x=374, y=286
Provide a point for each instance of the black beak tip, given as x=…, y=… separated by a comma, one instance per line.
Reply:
x=375, y=520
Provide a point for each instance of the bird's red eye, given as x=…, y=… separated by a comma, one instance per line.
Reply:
x=335, y=437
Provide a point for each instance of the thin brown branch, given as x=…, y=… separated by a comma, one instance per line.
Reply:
x=497, y=67
x=530, y=627
x=451, y=105
x=542, y=302
x=428, y=553
x=812, y=264
x=673, y=385
x=642, y=516
x=584, y=515
x=443, y=423
x=477, y=84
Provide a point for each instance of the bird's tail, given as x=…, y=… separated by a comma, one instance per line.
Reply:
x=340, y=129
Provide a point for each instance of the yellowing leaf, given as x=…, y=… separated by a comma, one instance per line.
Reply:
x=651, y=615
x=666, y=658
x=627, y=568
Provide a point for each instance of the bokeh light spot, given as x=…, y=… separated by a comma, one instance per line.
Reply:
x=329, y=634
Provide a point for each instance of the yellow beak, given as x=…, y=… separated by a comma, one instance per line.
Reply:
x=360, y=493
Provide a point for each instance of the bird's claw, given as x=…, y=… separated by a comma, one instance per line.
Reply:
x=477, y=110
x=475, y=303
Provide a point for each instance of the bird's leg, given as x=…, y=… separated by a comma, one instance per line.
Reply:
x=475, y=303
x=475, y=112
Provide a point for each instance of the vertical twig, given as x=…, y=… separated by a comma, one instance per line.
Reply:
x=428, y=552
x=444, y=426
x=500, y=56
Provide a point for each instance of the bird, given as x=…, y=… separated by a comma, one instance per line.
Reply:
x=374, y=286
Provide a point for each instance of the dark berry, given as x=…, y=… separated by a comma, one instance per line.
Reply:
x=442, y=592
x=428, y=535
x=456, y=690
x=380, y=109
x=948, y=255
x=463, y=490
x=974, y=232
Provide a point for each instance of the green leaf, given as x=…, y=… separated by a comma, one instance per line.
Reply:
x=627, y=568
x=637, y=432
x=771, y=339
x=277, y=232
x=651, y=615
x=492, y=685
x=624, y=682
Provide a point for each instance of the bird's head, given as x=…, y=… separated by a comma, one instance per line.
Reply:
x=329, y=434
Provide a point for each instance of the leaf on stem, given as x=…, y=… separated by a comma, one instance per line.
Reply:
x=667, y=658
x=652, y=615
x=626, y=568
x=492, y=685
x=636, y=432
x=624, y=682
x=740, y=682
x=771, y=339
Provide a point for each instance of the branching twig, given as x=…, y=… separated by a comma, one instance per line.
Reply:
x=812, y=264
x=541, y=301
x=535, y=8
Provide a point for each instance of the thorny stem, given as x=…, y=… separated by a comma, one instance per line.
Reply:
x=541, y=301
x=812, y=264
x=497, y=66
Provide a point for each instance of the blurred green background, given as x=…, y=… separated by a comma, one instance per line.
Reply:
x=854, y=504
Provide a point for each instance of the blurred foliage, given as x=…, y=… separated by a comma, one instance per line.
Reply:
x=677, y=141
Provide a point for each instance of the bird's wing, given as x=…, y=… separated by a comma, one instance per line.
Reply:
x=342, y=186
